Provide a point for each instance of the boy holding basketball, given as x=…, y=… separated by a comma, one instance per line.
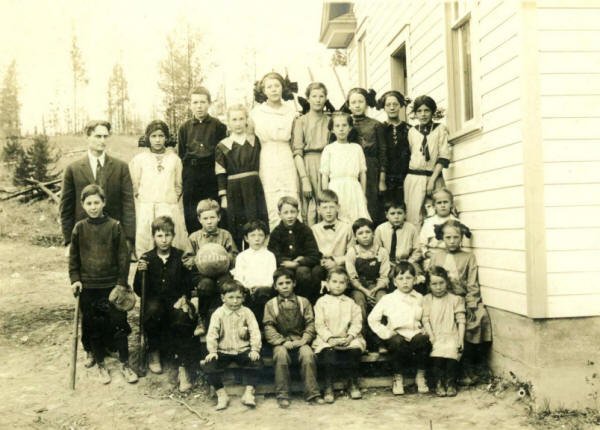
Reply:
x=208, y=274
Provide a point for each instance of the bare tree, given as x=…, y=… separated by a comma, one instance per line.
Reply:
x=117, y=98
x=9, y=103
x=79, y=77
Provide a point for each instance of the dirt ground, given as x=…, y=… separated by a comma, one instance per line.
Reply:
x=36, y=322
x=36, y=312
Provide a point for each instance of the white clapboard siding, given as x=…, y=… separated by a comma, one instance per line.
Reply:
x=502, y=279
x=573, y=239
x=572, y=194
x=498, y=239
x=573, y=283
x=567, y=40
x=502, y=299
x=506, y=259
x=569, y=128
x=482, y=182
x=569, y=62
x=568, y=18
x=503, y=115
x=582, y=305
x=496, y=199
x=500, y=75
x=496, y=158
x=497, y=219
x=487, y=140
x=500, y=54
x=574, y=217
x=572, y=261
x=572, y=172
x=559, y=150
x=571, y=106
x=582, y=84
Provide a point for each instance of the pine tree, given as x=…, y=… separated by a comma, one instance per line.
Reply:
x=180, y=72
x=42, y=158
x=9, y=103
x=11, y=150
x=37, y=162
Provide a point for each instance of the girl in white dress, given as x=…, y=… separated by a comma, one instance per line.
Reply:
x=273, y=122
x=344, y=169
x=157, y=188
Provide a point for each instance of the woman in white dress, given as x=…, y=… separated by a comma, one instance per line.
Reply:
x=157, y=187
x=344, y=169
x=273, y=122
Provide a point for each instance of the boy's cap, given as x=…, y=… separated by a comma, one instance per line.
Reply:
x=122, y=298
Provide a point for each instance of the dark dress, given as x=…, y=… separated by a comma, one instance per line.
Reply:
x=398, y=156
x=237, y=177
x=375, y=154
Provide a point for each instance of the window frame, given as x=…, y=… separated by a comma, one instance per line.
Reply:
x=459, y=13
x=396, y=43
x=363, y=60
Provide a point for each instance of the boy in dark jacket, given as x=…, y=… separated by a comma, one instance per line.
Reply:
x=295, y=248
x=99, y=260
x=168, y=316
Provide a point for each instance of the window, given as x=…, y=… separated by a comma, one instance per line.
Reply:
x=399, y=75
x=463, y=116
x=398, y=70
x=362, y=60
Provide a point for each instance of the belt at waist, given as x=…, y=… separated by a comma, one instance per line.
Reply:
x=313, y=151
x=198, y=161
x=241, y=175
x=420, y=172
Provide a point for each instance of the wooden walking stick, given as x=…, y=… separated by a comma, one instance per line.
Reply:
x=142, y=336
x=75, y=341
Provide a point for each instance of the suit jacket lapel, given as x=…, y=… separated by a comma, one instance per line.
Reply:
x=87, y=170
x=109, y=166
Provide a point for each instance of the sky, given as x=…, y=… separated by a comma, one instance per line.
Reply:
x=37, y=34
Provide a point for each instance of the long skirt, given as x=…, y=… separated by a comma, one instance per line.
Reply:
x=245, y=202
x=415, y=189
x=278, y=176
x=480, y=329
x=353, y=204
x=372, y=192
x=146, y=212
x=312, y=164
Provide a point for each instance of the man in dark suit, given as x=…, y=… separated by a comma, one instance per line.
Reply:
x=113, y=176
x=99, y=168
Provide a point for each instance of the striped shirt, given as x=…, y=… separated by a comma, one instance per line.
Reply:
x=233, y=331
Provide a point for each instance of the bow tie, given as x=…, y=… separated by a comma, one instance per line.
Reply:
x=213, y=234
x=329, y=227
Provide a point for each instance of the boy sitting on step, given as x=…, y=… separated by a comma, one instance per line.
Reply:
x=290, y=327
x=233, y=337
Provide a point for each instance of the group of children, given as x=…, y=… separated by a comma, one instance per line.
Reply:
x=382, y=286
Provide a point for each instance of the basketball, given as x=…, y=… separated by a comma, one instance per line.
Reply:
x=212, y=260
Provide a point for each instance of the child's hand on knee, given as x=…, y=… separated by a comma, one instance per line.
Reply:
x=288, y=344
x=211, y=356
x=298, y=343
x=253, y=355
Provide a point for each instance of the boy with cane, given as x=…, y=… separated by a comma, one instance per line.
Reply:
x=99, y=260
x=167, y=317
